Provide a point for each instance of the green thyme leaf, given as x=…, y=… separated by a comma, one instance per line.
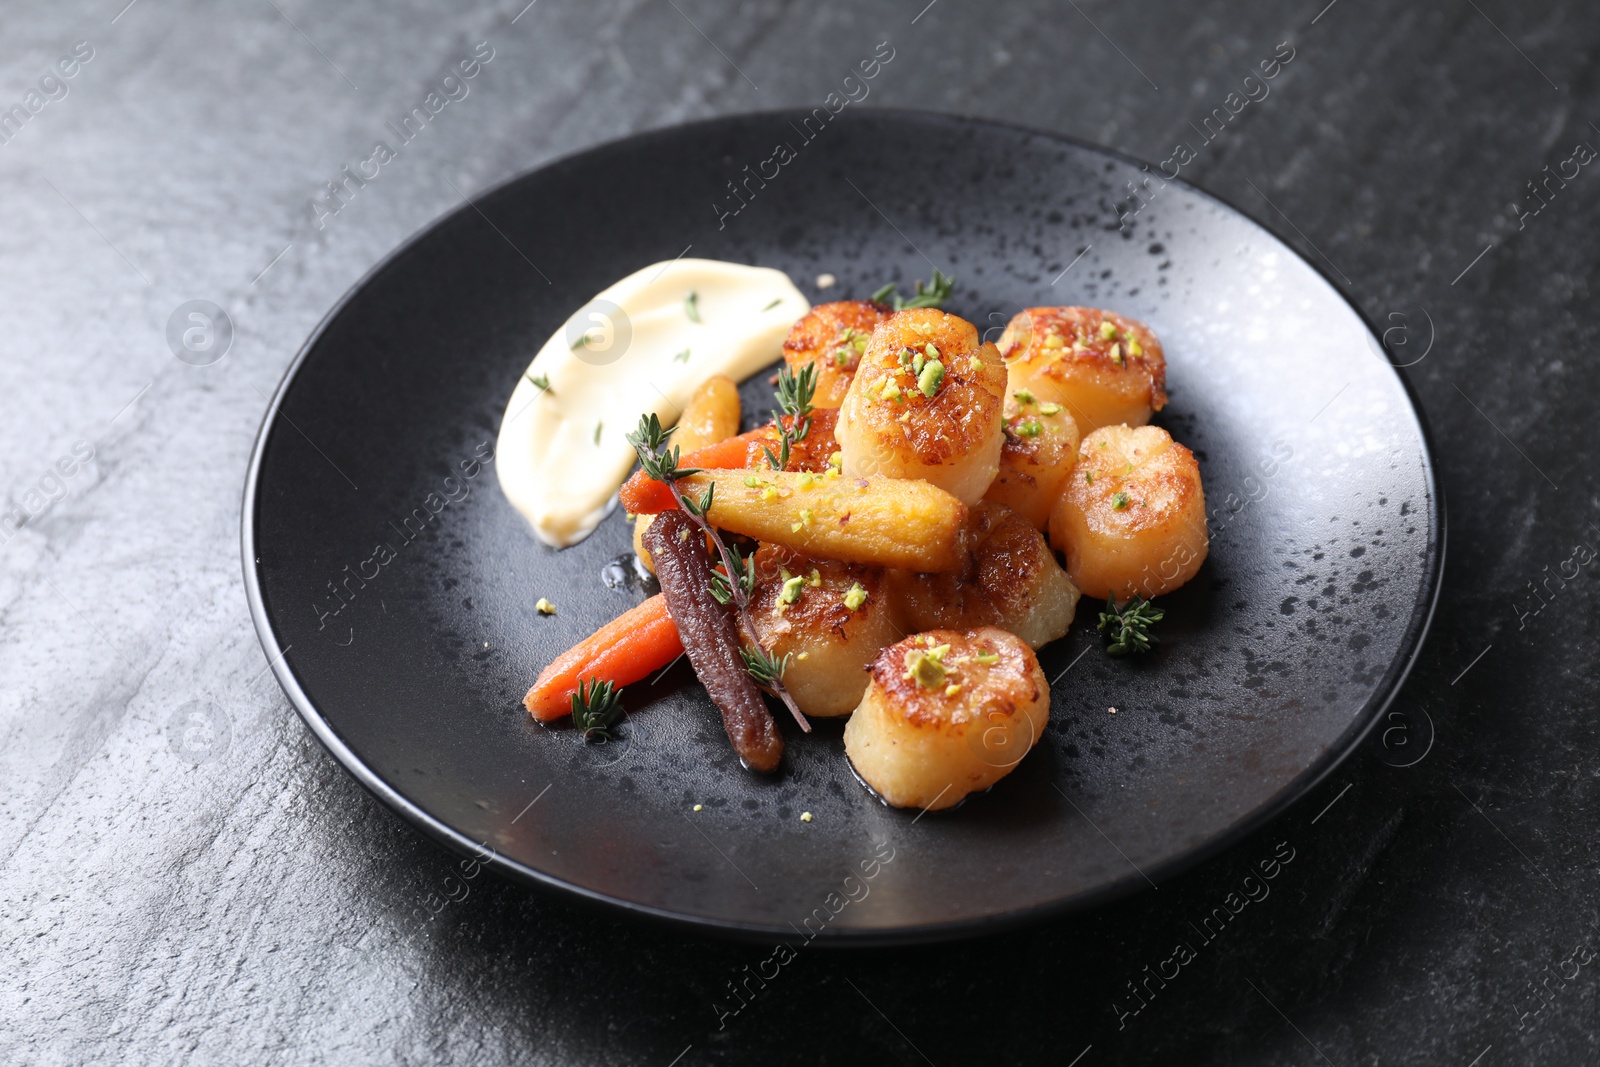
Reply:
x=596, y=710
x=1128, y=627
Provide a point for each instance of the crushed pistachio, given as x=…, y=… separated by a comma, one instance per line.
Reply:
x=791, y=590
x=1088, y=476
x=806, y=480
x=1135, y=349
x=805, y=816
x=1055, y=340
x=930, y=350
x=1120, y=502
x=918, y=361
x=770, y=493
x=1024, y=396
x=987, y=658
x=974, y=364
x=805, y=521
x=890, y=390
x=1116, y=353
x=855, y=597
x=699, y=807
x=931, y=376
x=1108, y=330
x=925, y=669
x=752, y=482
x=836, y=459
x=544, y=607
x=952, y=689
x=841, y=358
x=1031, y=428
x=1049, y=408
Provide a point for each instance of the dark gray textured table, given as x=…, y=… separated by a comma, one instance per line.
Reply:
x=186, y=875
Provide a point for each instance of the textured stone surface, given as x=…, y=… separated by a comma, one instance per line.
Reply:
x=185, y=874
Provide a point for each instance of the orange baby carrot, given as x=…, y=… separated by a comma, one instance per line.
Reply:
x=643, y=495
x=630, y=647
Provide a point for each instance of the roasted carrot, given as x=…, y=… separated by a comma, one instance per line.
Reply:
x=630, y=647
x=643, y=495
x=711, y=639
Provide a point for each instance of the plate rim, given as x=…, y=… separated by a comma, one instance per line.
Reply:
x=1297, y=789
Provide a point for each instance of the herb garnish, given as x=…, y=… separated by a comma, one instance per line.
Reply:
x=691, y=307
x=542, y=381
x=933, y=296
x=681, y=357
x=1129, y=626
x=775, y=303
x=768, y=669
x=794, y=399
x=596, y=710
x=661, y=464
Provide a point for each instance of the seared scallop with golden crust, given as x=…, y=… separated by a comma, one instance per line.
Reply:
x=1011, y=580
x=1041, y=445
x=830, y=617
x=1132, y=520
x=1102, y=367
x=832, y=337
x=947, y=713
x=926, y=402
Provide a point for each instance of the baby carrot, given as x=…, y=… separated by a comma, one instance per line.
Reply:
x=643, y=495
x=630, y=647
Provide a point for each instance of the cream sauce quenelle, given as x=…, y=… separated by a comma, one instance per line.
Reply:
x=640, y=346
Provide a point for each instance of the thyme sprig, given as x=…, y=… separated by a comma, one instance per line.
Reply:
x=794, y=400
x=933, y=296
x=764, y=667
x=595, y=710
x=1129, y=626
x=746, y=568
x=661, y=463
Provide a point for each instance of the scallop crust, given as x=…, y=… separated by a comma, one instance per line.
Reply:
x=1011, y=580
x=921, y=746
x=831, y=643
x=832, y=337
x=1132, y=520
x=1035, y=460
x=1104, y=368
x=888, y=427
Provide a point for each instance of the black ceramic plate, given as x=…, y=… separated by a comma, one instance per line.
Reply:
x=399, y=584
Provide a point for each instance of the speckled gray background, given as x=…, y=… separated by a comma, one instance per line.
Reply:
x=185, y=874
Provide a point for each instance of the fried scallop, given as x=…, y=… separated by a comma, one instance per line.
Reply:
x=832, y=337
x=1011, y=580
x=947, y=713
x=1041, y=445
x=832, y=617
x=926, y=402
x=1132, y=520
x=1102, y=367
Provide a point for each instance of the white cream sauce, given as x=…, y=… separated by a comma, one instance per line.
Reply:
x=562, y=453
